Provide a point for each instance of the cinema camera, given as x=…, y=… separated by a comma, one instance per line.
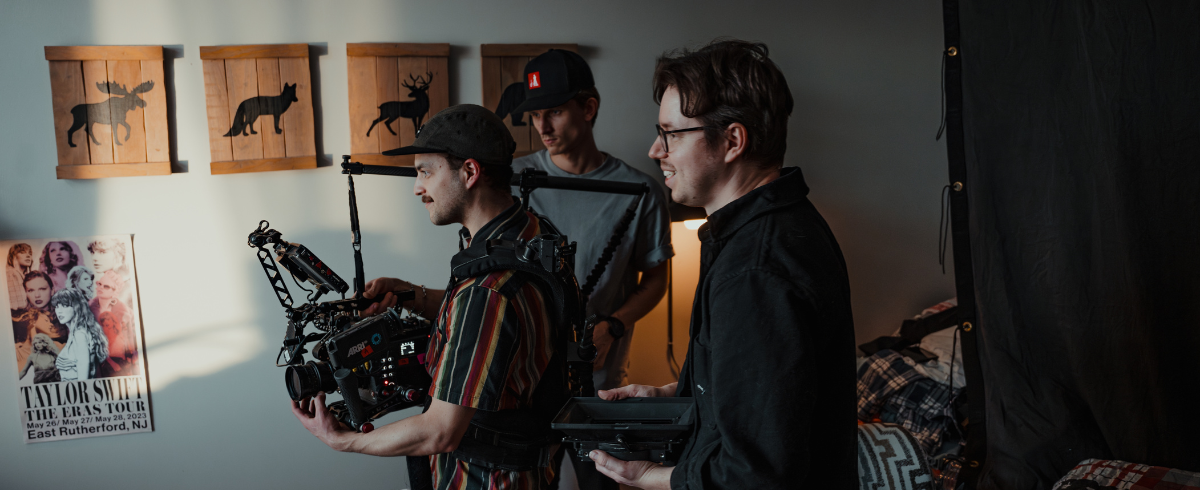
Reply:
x=376, y=363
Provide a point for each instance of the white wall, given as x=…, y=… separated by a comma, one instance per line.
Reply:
x=864, y=75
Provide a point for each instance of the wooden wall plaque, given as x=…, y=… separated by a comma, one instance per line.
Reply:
x=110, y=111
x=504, y=70
x=260, y=111
x=394, y=88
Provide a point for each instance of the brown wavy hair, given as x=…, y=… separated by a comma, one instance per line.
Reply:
x=731, y=81
x=17, y=249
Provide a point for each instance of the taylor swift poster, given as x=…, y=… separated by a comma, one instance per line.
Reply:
x=74, y=314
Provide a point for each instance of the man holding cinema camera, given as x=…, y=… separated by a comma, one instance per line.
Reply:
x=770, y=363
x=492, y=350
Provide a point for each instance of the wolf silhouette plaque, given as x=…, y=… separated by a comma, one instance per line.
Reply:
x=503, y=84
x=269, y=85
x=251, y=109
x=415, y=109
x=111, y=112
x=116, y=97
x=512, y=97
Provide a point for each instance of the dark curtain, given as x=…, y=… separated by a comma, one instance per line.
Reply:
x=1081, y=124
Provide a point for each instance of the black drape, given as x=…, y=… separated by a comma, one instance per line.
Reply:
x=1081, y=147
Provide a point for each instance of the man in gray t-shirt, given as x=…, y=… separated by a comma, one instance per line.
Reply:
x=590, y=218
x=562, y=102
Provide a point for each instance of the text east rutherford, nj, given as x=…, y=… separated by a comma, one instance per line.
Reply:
x=72, y=409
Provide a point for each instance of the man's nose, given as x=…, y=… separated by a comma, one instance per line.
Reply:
x=656, y=149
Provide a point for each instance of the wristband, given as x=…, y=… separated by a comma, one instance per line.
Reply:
x=616, y=328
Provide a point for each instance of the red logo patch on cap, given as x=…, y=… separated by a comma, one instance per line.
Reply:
x=534, y=79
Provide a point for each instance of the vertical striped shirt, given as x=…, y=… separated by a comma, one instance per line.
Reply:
x=493, y=340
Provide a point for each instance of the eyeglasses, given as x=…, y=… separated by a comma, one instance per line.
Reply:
x=662, y=134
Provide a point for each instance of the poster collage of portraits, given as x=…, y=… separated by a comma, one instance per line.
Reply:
x=77, y=334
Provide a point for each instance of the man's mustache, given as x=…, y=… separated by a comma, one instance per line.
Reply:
x=426, y=200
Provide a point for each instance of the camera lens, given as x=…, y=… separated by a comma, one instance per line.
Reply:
x=306, y=380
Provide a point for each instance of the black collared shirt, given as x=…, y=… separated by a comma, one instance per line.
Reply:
x=770, y=363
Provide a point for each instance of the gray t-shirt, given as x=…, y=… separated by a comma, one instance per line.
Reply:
x=589, y=219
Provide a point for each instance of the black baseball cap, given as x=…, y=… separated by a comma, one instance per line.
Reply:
x=554, y=78
x=465, y=131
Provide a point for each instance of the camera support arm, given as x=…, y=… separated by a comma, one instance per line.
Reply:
x=259, y=239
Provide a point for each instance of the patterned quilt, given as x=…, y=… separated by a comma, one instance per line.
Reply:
x=1105, y=474
x=889, y=458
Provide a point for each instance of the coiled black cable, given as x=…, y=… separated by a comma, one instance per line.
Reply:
x=613, y=242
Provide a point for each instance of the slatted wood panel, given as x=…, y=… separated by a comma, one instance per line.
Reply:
x=158, y=139
x=66, y=86
x=245, y=87
x=109, y=77
x=503, y=65
x=100, y=147
x=271, y=128
x=377, y=73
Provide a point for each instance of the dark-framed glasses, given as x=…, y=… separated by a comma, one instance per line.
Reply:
x=662, y=134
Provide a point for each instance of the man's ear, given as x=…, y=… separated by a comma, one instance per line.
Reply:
x=470, y=173
x=736, y=142
x=590, y=108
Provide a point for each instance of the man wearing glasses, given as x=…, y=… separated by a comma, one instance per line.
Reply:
x=561, y=98
x=770, y=363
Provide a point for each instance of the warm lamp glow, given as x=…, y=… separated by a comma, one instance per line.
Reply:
x=693, y=224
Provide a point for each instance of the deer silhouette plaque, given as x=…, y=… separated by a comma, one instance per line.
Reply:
x=116, y=97
x=414, y=109
x=111, y=111
x=394, y=89
x=265, y=84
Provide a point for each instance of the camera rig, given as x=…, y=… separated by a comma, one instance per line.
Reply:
x=377, y=363
x=581, y=351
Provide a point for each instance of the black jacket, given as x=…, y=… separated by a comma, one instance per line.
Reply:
x=770, y=363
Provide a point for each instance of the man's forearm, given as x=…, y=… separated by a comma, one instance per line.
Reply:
x=436, y=431
x=650, y=290
x=408, y=437
x=427, y=300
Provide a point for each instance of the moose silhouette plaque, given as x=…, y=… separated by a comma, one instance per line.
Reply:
x=394, y=89
x=504, y=87
x=260, y=112
x=113, y=111
x=110, y=111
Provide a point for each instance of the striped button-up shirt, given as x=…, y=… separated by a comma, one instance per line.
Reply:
x=493, y=340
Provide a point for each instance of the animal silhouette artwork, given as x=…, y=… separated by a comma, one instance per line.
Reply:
x=111, y=112
x=414, y=109
x=512, y=97
x=251, y=109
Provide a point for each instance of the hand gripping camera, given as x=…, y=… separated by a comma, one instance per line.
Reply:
x=377, y=363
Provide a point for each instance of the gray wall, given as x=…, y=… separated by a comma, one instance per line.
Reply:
x=864, y=75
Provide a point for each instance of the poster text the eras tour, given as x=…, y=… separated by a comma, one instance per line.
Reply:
x=77, y=337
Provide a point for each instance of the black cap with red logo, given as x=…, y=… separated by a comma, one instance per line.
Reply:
x=554, y=78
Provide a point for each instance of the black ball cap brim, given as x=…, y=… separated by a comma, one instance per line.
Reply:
x=413, y=150
x=545, y=102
